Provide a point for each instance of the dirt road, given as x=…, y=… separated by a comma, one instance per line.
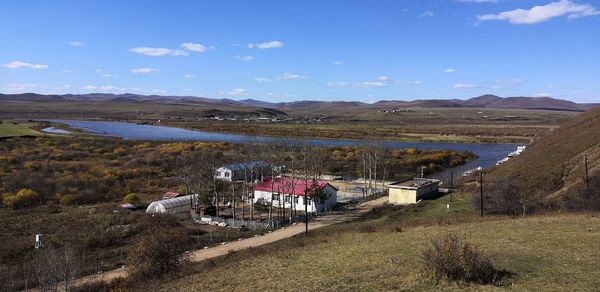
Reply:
x=287, y=232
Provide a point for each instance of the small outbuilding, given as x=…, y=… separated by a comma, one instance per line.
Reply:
x=241, y=171
x=411, y=190
x=178, y=205
x=171, y=195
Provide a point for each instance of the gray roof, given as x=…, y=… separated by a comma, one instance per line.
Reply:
x=246, y=165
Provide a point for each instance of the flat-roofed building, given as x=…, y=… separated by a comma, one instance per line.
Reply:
x=411, y=190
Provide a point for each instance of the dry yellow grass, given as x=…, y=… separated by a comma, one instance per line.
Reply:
x=545, y=253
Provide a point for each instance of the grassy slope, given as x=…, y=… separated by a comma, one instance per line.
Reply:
x=17, y=130
x=375, y=255
x=555, y=162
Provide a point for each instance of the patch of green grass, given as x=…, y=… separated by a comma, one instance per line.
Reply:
x=10, y=129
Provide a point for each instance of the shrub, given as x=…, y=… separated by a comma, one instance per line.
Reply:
x=69, y=200
x=157, y=253
x=23, y=199
x=131, y=198
x=451, y=259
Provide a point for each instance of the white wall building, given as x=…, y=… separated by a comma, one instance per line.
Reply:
x=241, y=171
x=291, y=194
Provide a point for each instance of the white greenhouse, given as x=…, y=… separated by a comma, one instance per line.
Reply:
x=176, y=205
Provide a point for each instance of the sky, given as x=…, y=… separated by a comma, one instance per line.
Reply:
x=303, y=50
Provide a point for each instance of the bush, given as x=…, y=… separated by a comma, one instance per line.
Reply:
x=131, y=198
x=157, y=253
x=23, y=199
x=68, y=200
x=451, y=259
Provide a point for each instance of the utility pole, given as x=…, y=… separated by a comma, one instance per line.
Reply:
x=587, y=177
x=305, y=211
x=451, y=183
x=422, y=168
x=481, y=191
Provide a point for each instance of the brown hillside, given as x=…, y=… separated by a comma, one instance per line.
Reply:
x=552, y=168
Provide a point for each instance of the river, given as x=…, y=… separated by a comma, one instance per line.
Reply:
x=488, y=153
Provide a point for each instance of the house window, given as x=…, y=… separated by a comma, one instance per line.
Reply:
x=309, y=202
x=288, y=199
x=295, y=199
x=227, y=174
x=218, y=173
x=275, y=197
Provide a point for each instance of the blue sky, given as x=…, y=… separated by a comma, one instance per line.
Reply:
x=296, y=50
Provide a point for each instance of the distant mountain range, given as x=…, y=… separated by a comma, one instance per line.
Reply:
x=484, y=101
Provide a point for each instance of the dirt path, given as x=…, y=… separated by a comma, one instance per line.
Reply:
x=287, y=232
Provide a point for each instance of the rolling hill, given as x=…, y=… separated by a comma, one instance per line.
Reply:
x=493, y=101
x=551, y=170
x=313, y=106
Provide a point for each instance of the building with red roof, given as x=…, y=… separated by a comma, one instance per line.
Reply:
x=171, y=195
x=291, y=193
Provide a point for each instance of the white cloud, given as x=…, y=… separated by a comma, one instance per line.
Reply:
x=144, y=70
x=65, y=71
x=262, y=79
x=427, y=14
x=98, y=70
x=267, y=45
x=543, y=94
x=337, y=63
x=371, y=84
x=193, y=47
x=108, y=88
x=189, y=76
x=450, y=70
x=238, y=92
x=285, y=76
x=509, y=82
x=107, y=75
x=64, y=87
x=543, y=13
x=21, y=86
x=292, y=76
x=103, y=88
x=75, y=44
x=19, y=64
x=137, y=89
x=382, y=78
x=244, y=58
x=479, y=1
x=416, y=82
x=338, y=84
x=463, y=86
x=157, y=52
x=159, y=91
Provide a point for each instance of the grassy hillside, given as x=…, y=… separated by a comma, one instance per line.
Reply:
x=553, y=167
x=384, y=253
x=9, y=129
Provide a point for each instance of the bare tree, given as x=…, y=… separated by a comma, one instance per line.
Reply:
x=66, y=265
x=56, y=266
x=312, y=162
x=503, y=195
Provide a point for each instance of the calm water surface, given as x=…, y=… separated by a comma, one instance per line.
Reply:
x=488, y=153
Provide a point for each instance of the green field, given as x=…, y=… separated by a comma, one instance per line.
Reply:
x=10, y=129
x=543, y=253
